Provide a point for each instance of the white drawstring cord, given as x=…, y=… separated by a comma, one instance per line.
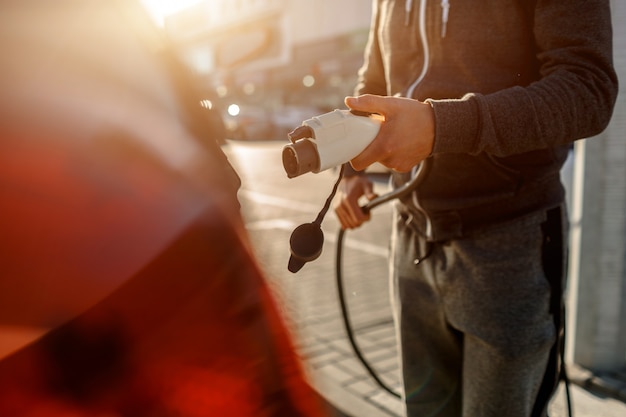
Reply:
x=445, y=10
x=408, y=8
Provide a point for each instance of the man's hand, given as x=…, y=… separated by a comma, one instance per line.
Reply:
x=405, y=138
x=347, y=207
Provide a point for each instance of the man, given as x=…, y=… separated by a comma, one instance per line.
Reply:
x=482, y=101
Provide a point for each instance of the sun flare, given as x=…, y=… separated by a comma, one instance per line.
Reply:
x=159, y=9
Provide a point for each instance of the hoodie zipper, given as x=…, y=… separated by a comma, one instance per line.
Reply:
x=425, y=47
x=420, y=169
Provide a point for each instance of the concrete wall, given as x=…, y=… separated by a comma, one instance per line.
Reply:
x=597, y=288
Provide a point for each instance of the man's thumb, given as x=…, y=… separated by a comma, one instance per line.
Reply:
x=363, y=103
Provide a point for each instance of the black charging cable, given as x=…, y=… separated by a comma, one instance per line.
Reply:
x=399, y=193
x=307, y=240
x=563, y=374
x=306, y=245
x=346, y=317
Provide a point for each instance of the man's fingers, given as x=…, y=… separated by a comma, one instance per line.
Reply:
x=366, y=103
x=347, y=206
x=350, y=216
x=347, y=220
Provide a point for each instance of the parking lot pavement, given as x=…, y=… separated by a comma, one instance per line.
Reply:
x=309, y=303
x=273, y=207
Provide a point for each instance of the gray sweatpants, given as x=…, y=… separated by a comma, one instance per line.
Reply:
x=473, y=320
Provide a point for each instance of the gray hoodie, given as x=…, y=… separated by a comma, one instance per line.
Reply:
x=512, y=83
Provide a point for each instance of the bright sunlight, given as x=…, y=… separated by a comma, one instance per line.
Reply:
x=159, y=9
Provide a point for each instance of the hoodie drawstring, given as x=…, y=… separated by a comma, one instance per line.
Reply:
x=445, y=10
x=408, y=8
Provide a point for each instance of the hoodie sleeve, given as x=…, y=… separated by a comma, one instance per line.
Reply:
x=573, y=98
x=371, y=77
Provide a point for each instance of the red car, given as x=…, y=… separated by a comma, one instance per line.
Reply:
x=127, y=283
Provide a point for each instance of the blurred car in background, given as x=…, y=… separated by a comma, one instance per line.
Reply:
x=213, y=116
x=246, y=122
x=287, y=118
x=255, y=122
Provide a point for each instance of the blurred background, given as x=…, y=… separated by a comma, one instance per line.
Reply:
x=267, y=65
x=264, y=66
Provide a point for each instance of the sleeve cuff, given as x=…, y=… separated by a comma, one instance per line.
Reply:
x=456, y=125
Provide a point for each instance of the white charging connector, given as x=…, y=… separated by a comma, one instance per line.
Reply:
x=329, y=140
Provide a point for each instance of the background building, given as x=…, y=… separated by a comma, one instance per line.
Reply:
x=278, y=60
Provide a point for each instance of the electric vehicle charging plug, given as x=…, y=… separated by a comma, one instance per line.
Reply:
x=329, y=140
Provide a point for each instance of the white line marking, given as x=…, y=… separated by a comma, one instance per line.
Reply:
x=279, y=202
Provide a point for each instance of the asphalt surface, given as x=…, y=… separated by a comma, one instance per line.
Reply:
x=273, y=206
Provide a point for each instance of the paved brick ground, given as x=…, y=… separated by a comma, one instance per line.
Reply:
x=273, y=206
